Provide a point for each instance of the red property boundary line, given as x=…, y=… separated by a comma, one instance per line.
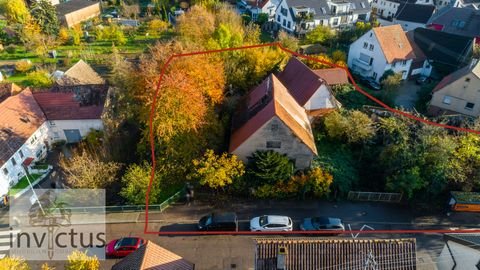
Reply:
x=277, y=44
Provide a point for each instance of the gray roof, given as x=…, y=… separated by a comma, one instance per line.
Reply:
x=448, y=16
x=471, y=240
x=317, y=5
x=317, y=253
x=74, y=5
x=414, y=13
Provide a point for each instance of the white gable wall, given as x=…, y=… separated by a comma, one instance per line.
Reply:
x=321, y=99
x=284, y=20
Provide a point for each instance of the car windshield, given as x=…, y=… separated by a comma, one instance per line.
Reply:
x=126, y=242
x=209, y=220
x=263, y=220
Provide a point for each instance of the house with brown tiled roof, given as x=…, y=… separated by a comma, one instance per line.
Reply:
x=300, y=254
x=379, y=50
x=270, y=118
x=31, y=122
x=153, y=257
x=308, y=88
x=458, y=93
x=333, y=76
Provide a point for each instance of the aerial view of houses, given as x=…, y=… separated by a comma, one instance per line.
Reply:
x=274, y=134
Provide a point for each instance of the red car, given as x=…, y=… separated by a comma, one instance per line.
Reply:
x=123, y=246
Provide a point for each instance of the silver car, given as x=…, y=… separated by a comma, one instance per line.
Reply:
x=271, y=223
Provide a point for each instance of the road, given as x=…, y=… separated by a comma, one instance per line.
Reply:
x=237, y=252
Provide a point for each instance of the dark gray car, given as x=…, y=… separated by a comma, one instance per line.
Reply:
x=322, y=224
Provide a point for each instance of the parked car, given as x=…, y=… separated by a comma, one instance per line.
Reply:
x=423, y=80
x=123, y=246
x=322, y=224
x=219, y=222
x=271, y=223
x=369, y=82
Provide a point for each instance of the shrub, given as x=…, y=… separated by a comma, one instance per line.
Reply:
x=269, y=167
x=81, y=261
x=39, y=79
x=23, y=66
x=157, y=26
x=63, y=35
x=13, y=263
x=11, y=49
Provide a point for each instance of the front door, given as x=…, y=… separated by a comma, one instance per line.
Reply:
x=72, y=135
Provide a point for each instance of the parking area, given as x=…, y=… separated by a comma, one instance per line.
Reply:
x=406, y=95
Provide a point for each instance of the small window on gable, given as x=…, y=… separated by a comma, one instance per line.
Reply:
x=14, y=162
x=371, y=34
x=371, y=47
x=469, y=106
x=447, y=100
x=20, y=153
x=274, y=127
x=5, y=171
x=274, y=144
x=365, y=45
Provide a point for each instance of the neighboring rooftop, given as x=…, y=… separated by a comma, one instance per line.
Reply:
x=473, y=68
x=460, y=21
x=300, y=80
x=332, y=76
x=8, y=89
x=67, y=106
x=299, y=254
x=20, y=118
x=80, y=74
x=394, y=43
x=74, y=5
x=153, y=257
x=267, y=100
x=414, y=13
x=323, y=10
x=445, y=48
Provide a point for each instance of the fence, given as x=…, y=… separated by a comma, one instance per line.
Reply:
x=130, y=208
x=374, y=196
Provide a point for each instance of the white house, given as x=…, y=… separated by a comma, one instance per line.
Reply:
x=300, y=16
x=381, y=49
x=460, y=252
x=385, y=8
x=257, y=7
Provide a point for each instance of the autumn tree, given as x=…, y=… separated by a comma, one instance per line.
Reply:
x=196, y=26
x=87, y=168
x=350, y=126
x=288, y=41
x=156, y=26
x=217, y=171
x=15, y=11
x=13, y=263
x=78, y=260
x=63, y=35
x=136, y=180
x=45, y=15
x=39, y=78
x=320, y=34
x=319, y=182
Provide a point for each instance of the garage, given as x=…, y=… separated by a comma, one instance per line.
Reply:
x=72, y=135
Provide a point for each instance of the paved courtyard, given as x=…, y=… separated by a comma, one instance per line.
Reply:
x=407, y=96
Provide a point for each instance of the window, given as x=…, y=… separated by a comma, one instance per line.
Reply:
x=394, y=64
x=274, y=144
x=284, y=22
x=14, y=162
x=335, y=21
x=283, y=11
x=404, y=62
x=374, y=75
x=447, y=100
x=5, y=171
x=278, y=18
x=364, y=58
x=371, y=47
x=32, y=141
x=371, y=61
x=365, y=45
x=289, y=25
x=274, y=127
x=469, y=106
x=371, y=34
x=20, y=153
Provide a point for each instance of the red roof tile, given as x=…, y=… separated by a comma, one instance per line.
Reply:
x=265, y=101
x=332, y=76
x=394, y=43
x=300, y=80
x=20, y=118
x=63, y=106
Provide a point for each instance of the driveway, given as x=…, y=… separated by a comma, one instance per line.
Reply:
x=406, y=95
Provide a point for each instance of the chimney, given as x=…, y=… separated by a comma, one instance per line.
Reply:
x=281, y=258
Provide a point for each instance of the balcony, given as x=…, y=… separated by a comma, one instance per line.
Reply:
x=362, y=65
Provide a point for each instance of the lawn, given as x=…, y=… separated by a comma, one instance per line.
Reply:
x=23, y=183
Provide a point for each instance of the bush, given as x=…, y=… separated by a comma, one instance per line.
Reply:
x=39, y=79
x=23, y=66
x=11, y=49
x=269, y=167
x=13, y=263
x=81, y=261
